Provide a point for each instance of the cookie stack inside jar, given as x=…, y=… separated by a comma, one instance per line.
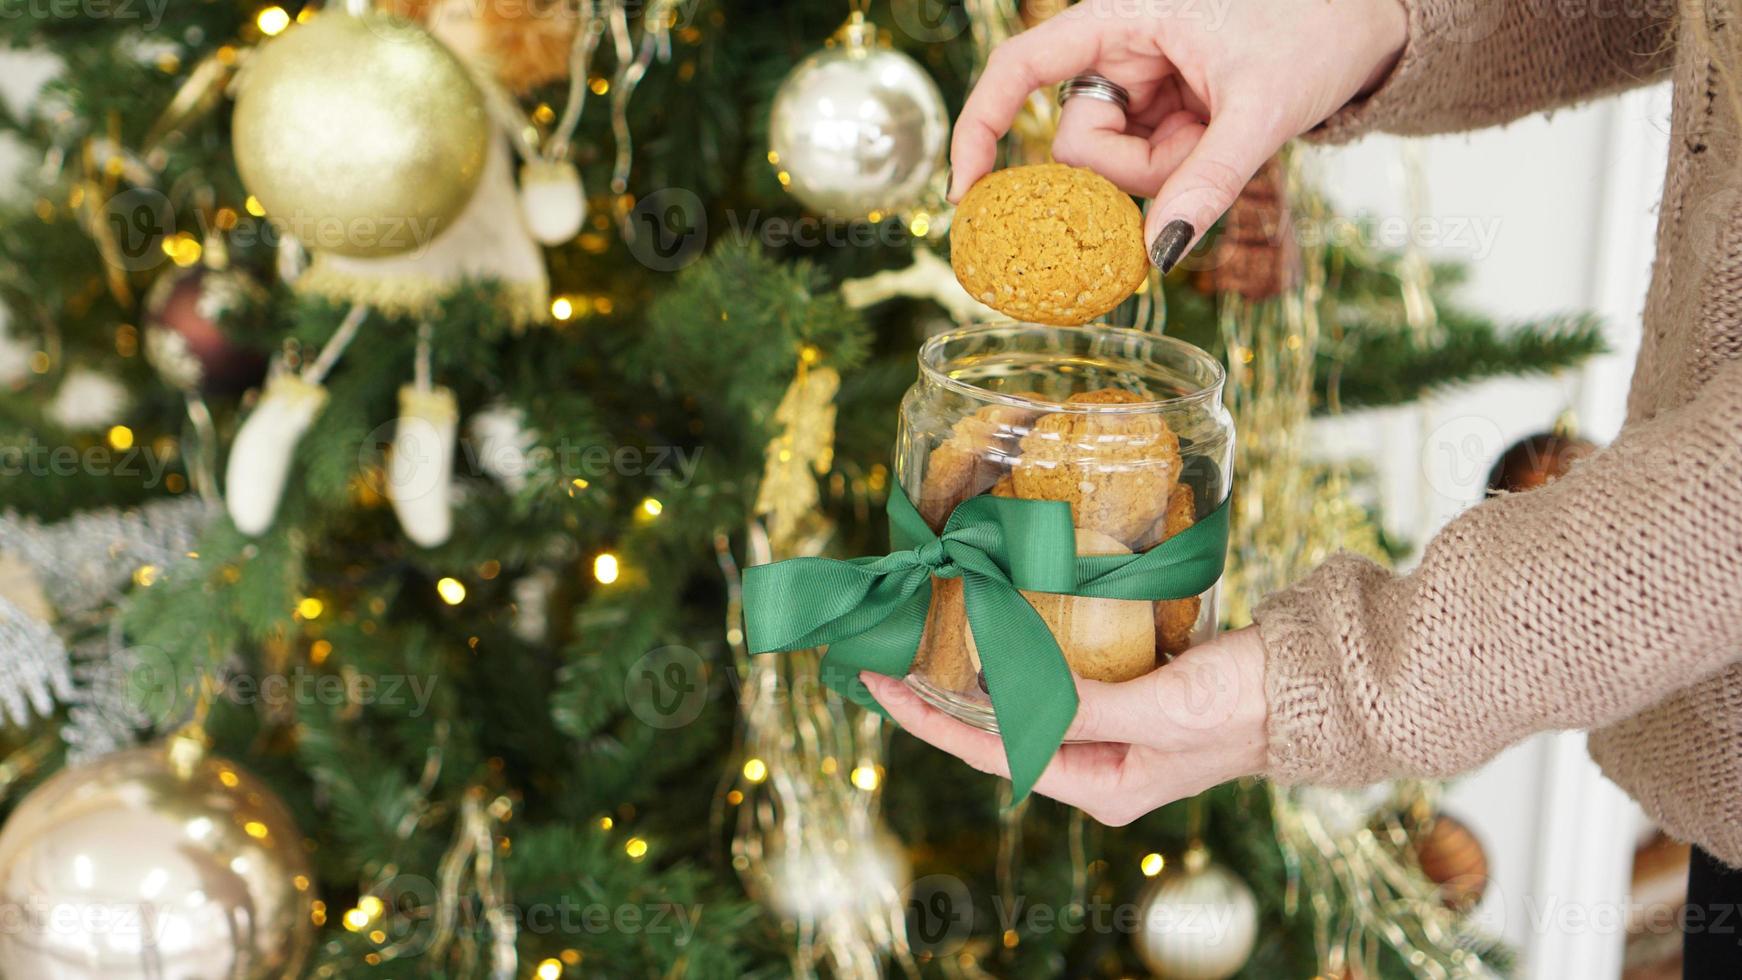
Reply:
x=1126, y=427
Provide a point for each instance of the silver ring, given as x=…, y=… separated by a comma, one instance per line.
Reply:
x=1092, y=86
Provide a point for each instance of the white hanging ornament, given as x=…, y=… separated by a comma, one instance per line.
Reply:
x=503, y=443
x=420, y=466
x=87, y=401
x=857, y=127
x=551, y=200
x=1197, y=923
x=260, y=456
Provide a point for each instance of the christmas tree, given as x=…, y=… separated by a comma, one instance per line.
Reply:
x=372, y=527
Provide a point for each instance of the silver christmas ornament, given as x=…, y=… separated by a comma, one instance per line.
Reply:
x=158, y=863
x=857, y=128
x=1197, y=923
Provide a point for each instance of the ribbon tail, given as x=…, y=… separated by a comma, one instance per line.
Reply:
x=888, y=648
x=1033, y=694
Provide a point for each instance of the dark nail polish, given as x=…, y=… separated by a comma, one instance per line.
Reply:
x=1170, y=245
x=981, y=677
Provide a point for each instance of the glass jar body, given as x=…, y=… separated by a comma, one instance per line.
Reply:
x=1127, y=427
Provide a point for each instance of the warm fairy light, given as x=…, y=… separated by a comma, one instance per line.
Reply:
x=253, y=206
x=452, y=591
x=874, y=217
x=319, y=651
x=308, y=607
x=605, y=568
x=544, y=114
x=865, y=777
x=300, y=883
x=1152, y=864
x=256, y=830
x=651, y=507
x=784, y=178
x=550, y=969
x=606, y=823
x=229, y=778
x=1011, y=939
x=735, y=797
x=120, y=437
x=920, y=226
x=272, y=21
x=755, y=770
x=144, y=575
x=356, y=919
x=183, y=249
x=773, y=159
x=599, y=85
x=636, y=848
x=561, y=308
x=317, y=912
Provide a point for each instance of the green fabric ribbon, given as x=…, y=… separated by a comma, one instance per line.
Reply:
x=871, y=611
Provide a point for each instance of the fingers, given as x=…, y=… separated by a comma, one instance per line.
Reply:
x=1079, y=775
x=1051, y=52
x=1094, y=134
x=1237, y=142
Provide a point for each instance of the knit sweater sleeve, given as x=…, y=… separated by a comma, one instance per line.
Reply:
x=1569, y=607
x=1475, y=63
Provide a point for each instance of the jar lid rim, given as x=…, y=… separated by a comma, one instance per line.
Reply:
x=931, y=369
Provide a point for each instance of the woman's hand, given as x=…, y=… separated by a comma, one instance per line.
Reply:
x=1216, y=89
x=1195, y=723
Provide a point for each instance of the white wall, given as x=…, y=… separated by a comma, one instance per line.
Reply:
x=1553, y=214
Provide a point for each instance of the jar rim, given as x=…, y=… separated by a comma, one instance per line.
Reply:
x=933, y=368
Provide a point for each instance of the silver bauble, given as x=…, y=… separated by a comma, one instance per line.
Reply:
x=1197, y=923
x=157, y=863
x=857, y=128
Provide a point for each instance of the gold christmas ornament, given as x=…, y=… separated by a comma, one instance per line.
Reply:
x=155, y=862
x=1197, y=923
x=857, y=128
x=362, y=135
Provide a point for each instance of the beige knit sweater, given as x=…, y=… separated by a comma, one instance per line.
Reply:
x=1610, y=600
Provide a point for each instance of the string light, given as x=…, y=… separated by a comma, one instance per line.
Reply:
x=253, y=206
x=144, y=575
x=652, y=507
x=120, y=437
x=272, y=21
x=865, y=777
x=605, y=568
x=562, y=308
x=356, y=919
x=1152, y=864
x=452, y=590
x=308, y=607
x=636, y=848
x=755, y=770
x=550, y=969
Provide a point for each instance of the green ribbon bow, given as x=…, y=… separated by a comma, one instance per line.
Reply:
x=871, y=611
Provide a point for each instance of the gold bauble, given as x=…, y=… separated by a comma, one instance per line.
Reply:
x=154, y=862
x=359, y=135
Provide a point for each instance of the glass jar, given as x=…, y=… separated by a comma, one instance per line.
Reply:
x=1127, y=427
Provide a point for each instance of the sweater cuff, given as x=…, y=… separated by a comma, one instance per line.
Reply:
x=1313, y=736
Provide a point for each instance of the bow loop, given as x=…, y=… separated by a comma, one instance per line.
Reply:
x=871, y=612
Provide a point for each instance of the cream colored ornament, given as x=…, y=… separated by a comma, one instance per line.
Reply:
x=88, y=400
x=928, y=277
x=420, y=466
x=152, y=863
x=260, y=456
x=551, y=200
x=360, y=135
x=857, y=127
x=1197, y=923
x=489, y=241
